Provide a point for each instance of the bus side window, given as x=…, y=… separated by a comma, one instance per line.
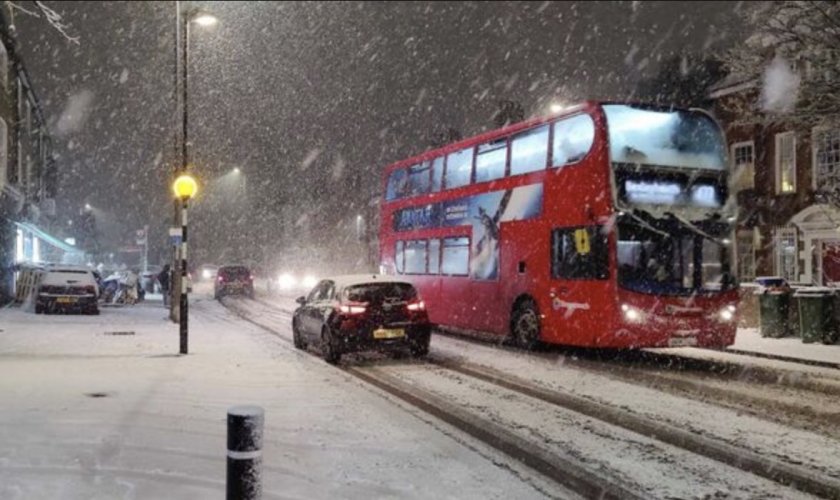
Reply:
x=580, y=253
x=415, y=257
x=434, y=256
x=529, y=151
x=490, y=161
x=399, y=257
x=396, y=184
x=437, y=174
x=458, y=168
x=419, y=180
x=573, y=138
x=455, y=260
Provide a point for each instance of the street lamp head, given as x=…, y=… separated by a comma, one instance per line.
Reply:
x=557, y=107
x=88, y=207
x=185, y=187
x=205, y=19
x=236, y=170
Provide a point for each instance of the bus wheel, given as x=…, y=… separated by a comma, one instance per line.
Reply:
x=525, y=325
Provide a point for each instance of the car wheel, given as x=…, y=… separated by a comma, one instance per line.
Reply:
x=525, y=325
x=420, y=347
x=328, y=348
x=296, y=336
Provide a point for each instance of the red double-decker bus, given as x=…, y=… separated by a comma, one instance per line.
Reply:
x=605, y=225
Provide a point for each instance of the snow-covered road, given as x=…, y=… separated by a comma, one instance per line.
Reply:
x=626, y=455
x=90, y=415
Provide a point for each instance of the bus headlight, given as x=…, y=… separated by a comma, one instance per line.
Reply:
x=727, y=313
x=632, y=314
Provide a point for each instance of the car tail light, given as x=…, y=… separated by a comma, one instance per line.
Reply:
x=416, y=305
x=353, y=307
x=221, y=279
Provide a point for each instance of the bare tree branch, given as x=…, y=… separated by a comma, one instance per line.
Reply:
x=57, y=22
x=13, y=5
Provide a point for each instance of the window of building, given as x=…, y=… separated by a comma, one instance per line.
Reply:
x=415, y=257
x=573, y=138
x=743, y=165
x=455, y=259
x=434, y=256
x=459, y=168
x=745, y=252
x=785, y=250
x=491, y=160
x=827, y=158
x=529, y=151
x=786, y=162
x=579, y=253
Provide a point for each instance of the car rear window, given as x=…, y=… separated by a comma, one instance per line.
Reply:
x=378, y=292
x=235, y=272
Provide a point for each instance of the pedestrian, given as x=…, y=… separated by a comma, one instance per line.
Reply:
x=164, y=279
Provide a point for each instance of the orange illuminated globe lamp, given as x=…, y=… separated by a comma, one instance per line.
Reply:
x=185, y=187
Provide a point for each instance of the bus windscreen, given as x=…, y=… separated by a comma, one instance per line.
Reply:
x=664, y=138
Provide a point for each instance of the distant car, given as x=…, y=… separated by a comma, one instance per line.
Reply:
x=233, y=280
x=360, y=313
x=208, y=272
x=67, y=289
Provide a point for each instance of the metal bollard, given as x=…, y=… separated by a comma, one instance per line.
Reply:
x=244, y=455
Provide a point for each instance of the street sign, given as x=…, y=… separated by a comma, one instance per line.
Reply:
x=175, y=235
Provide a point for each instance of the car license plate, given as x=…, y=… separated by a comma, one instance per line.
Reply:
x=66, y=300
x=384, y=333
x=682, y=342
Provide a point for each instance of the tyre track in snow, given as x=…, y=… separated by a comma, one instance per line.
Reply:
x=789, y=397
x=562, y=469
x=567, y=473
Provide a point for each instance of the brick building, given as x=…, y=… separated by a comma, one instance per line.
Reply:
x=785, y=226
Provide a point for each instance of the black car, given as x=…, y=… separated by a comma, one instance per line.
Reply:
x=359, y=313
x=233, y=280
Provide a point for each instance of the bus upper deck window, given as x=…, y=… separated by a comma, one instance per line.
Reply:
x=573, y=138
x=529, y=151
x=459, y=168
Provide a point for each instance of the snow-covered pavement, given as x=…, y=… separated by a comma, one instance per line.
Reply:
x=88, y=414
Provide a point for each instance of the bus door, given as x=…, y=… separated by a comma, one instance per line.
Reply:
x=580, y=288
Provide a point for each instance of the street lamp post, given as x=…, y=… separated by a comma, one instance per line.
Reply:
x=185, y=188
x=182, y=21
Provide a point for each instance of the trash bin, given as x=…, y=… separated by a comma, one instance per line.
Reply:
x=816, y=314
x=773, y=306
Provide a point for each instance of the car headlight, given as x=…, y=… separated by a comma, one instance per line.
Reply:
x=286, y=280
x=632, y=314
x=206, y=274
x=309, y=281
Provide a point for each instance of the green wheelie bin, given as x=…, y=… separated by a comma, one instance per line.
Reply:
x=816, y=314
x=774, y=296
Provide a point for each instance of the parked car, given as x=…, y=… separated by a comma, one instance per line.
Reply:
x=358, y=313
x=236, y=280
x=68, y=289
